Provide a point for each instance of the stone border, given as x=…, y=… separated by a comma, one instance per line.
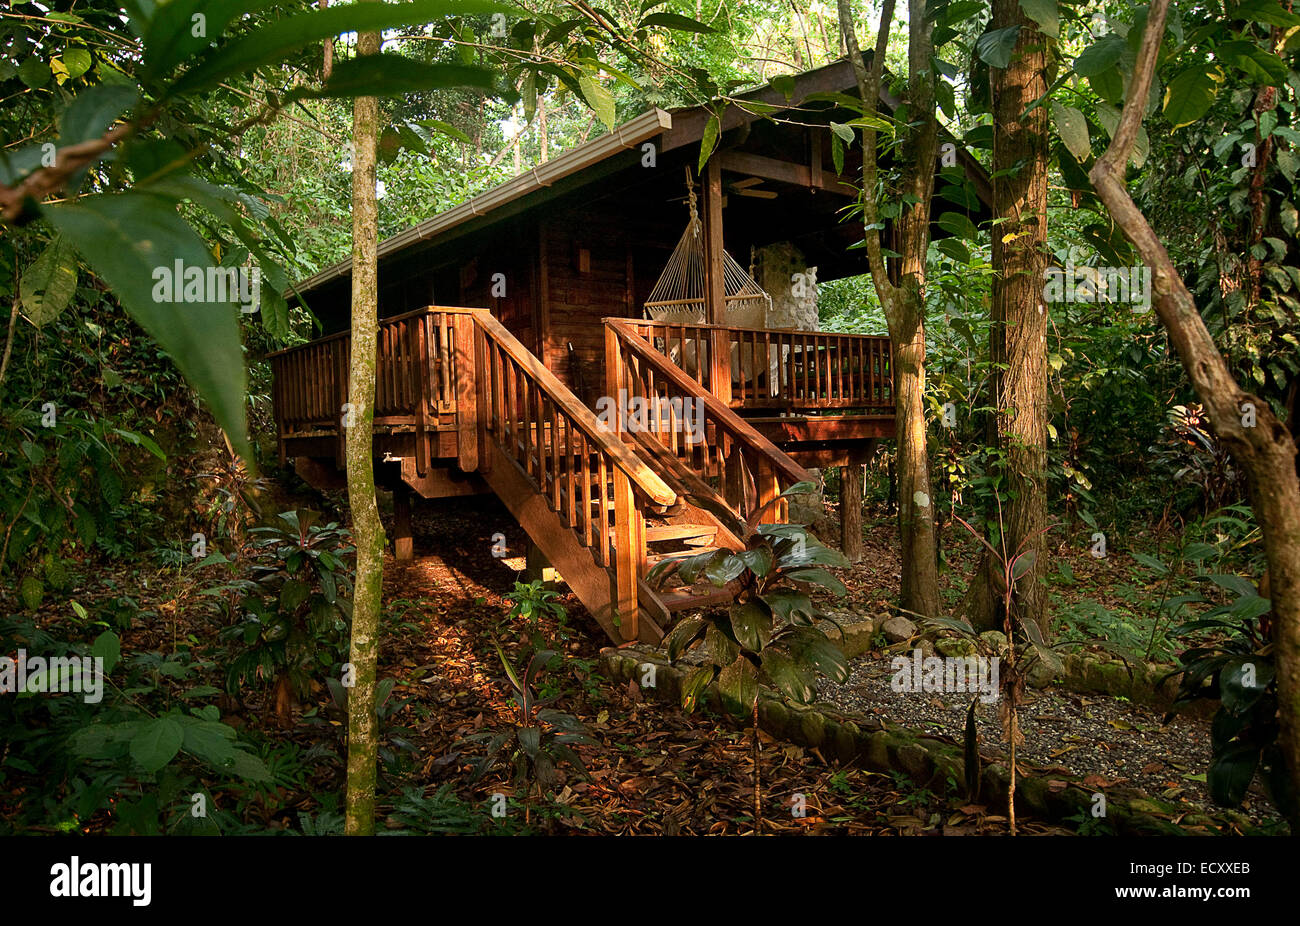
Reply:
x=927, y=760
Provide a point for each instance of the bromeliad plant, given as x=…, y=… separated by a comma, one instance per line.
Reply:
x=540, y=740
x=770, y=634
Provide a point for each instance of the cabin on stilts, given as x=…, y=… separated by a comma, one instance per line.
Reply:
x=625, y=352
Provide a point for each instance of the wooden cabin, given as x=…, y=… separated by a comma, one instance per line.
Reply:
x=510, y=323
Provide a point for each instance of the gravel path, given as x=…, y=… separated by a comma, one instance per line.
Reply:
x=1107, y=740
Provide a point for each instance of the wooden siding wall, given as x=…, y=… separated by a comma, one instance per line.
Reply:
x=577, y=300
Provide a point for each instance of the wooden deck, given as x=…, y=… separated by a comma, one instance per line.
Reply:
x=462, y=406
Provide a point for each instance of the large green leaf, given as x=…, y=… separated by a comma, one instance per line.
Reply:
x=675, y=21
x=738, y=685
x=1242, y=681
x=273, y=42
x=48, y=285
x=818, y=577
x=93, y=110
x=1258, y=64
x=794, y=680
x=599, y=99
x=995, y=46
x=1100, y=56
x=1046, y=14
x=751, y=622
x=1190, y=95
x=125, y=237
x=396, y=75
x=1072, y=126
x=157, y=743
x=1231, y=772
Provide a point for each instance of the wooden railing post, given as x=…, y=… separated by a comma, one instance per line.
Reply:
x=467, y=391
x=421, y=361
x=629, y=554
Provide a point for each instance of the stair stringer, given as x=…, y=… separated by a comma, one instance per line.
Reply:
x=589, y=580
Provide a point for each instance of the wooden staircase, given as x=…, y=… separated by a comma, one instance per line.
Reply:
x=605, y=502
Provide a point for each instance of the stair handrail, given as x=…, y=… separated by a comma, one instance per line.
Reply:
x=605, y=440
x=721, y=413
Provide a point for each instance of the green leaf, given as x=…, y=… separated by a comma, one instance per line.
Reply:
x=1151, y=563
x=1190, y=95
x=1046, y=14
x=1264, y=11
x=757, y=560
x=954, y=249
x=994, y=47
x=108, y=648
x=1258, y=64
x=674, y=21
x=397, y=75
x=723, y=569
x=752, y=625
x=125, y=237
x=709, y=140
x=34, y=72
x=958, y=225
x=837, y=153
x=794, y=680
x=273, y=42
x=1101, y=55
x=1108, y=84
x=738, y=685
x=1072, y=126
x=48, y=285
x=157, y=743
x=94, y=110
x=1231, y=773
x=1238, y=690
x=818, y=577
x=842, y=132
x=599, y=99
x=696, y=681
x=1238, y=585
x=76, y=61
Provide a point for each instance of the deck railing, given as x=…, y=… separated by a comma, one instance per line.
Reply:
x=783, y=370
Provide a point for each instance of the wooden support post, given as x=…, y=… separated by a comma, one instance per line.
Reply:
x=715, y=284
x=615, y=375
x=467, y=421
x=767, y=489
x=629, y=555
x=423, y=360
x=403, y=543
x=851, y=511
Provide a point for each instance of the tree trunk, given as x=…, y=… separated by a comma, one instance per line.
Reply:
x=1018, y=341
x=920, y=584
x=367, y=530
x=1266, y=450
x=904, y=303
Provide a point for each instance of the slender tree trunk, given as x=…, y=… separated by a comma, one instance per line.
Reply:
x=367, y=530
x=1266, y=450
x=329, y=50
x=543, y=135
x=904, y=303
x=1018, y=340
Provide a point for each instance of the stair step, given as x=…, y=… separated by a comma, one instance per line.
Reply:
x=655, y=559
x=680, y=599
x=659, y=532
